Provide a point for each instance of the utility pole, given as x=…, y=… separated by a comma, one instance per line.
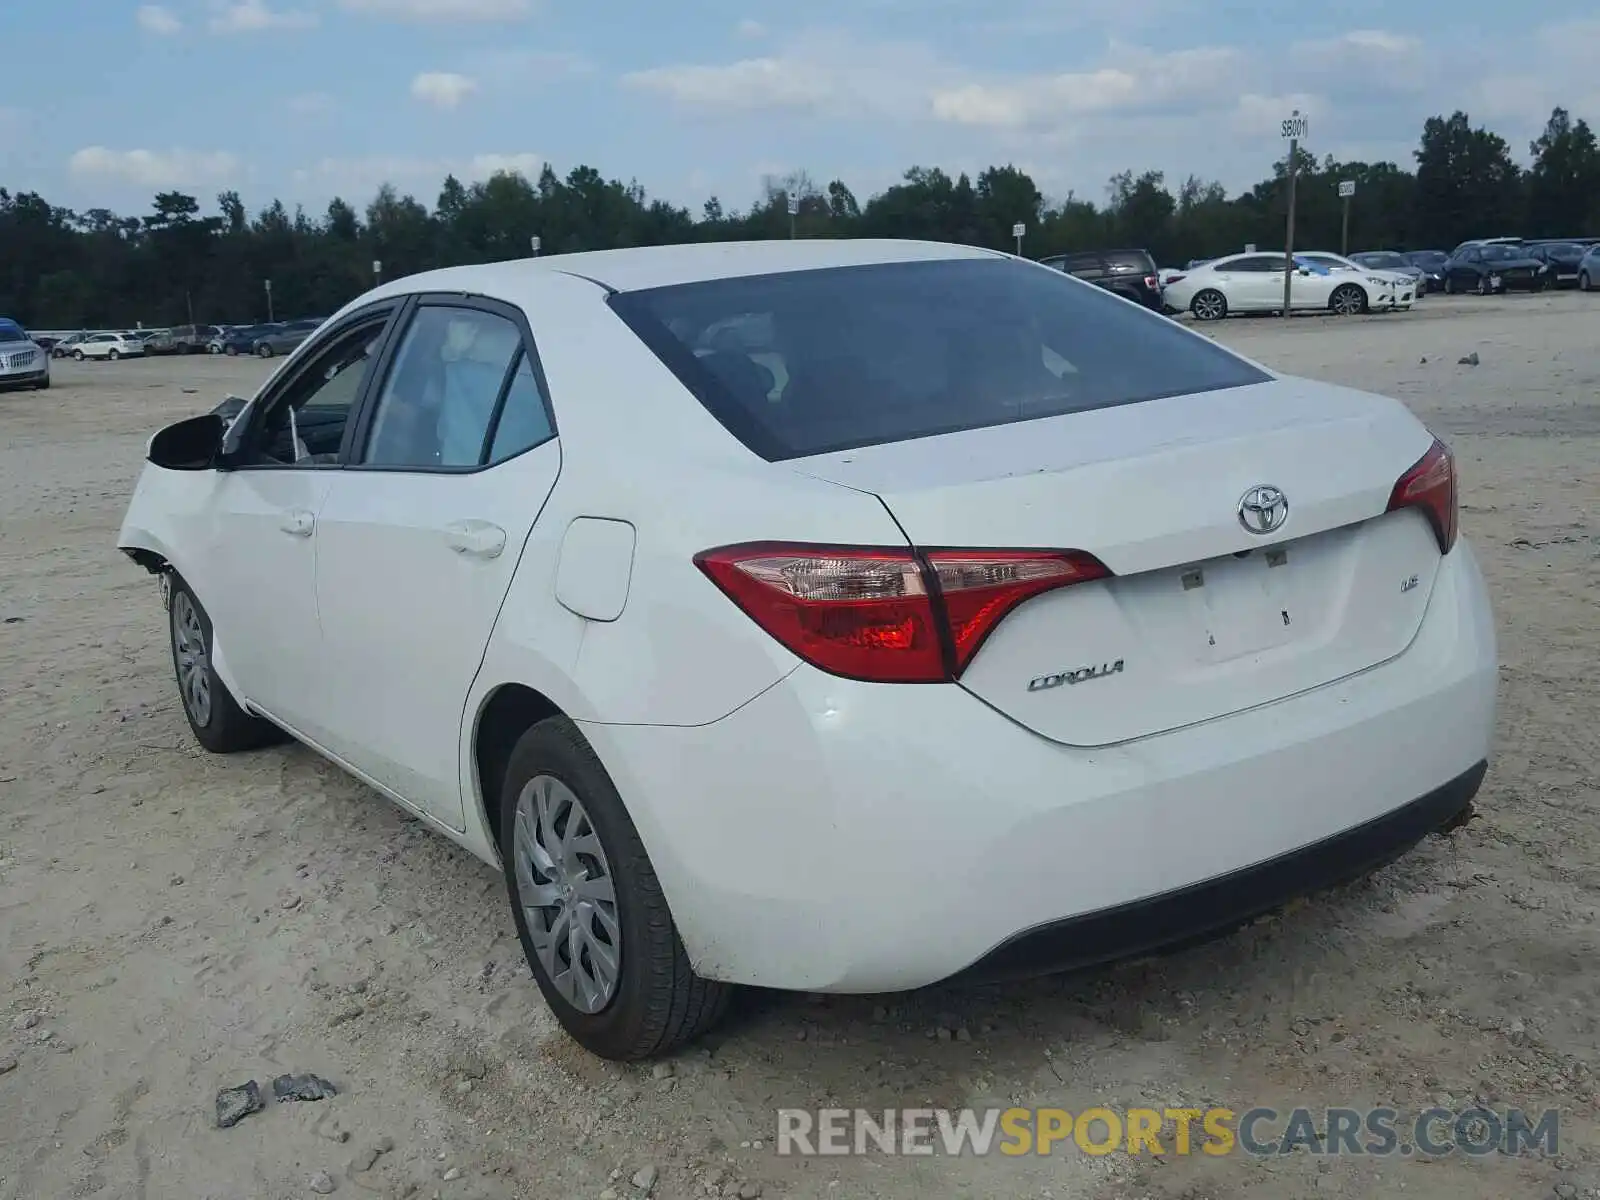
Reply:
x=1295, y=127
x=269, y=300
x=1347, y=189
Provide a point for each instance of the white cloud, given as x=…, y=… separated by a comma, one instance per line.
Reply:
x=254, y=16
x=356, y=179
x=750, y=28
x=442, y=89
x=156, y=19
x=453, y=11
x=821, y=74
x=153, y=168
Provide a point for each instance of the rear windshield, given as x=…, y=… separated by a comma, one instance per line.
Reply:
x=806, y=362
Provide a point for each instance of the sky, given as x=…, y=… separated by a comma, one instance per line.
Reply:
x=307, y=99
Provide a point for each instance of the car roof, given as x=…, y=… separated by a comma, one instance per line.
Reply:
x=639, y=267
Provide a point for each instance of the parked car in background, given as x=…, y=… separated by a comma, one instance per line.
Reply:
x=1387, y=289
x=1486, y=268
x=1431, y=264
x=1494, y=241
x=851, y=713
x=240, y=339
x=192, y=339
x=1243, y=283
x=63, y=347
x=1129, y=273
x=23, y=362
x=1395, y=263
x=1561, y=258
x=1589, y=269
x=108, y=345
x=285, y=337
x=157, y=341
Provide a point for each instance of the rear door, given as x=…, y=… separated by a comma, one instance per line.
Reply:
x=420, y=536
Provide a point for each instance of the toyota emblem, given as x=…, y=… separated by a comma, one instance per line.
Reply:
x=1263, y=509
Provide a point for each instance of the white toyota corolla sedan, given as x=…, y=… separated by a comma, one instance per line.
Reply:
x=842, y=616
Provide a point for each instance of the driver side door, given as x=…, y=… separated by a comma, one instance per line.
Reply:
x=262, y=562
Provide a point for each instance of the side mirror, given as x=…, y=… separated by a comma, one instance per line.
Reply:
x=1305, y=271
x=189, y=445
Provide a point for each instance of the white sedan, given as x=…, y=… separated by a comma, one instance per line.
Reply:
x=1246, y=283
x=108, y=345
x=840, y=616
x=1393, y=289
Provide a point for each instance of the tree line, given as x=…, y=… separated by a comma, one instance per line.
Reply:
x=65, y=269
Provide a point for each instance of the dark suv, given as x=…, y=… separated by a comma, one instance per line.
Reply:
x=1129, y=273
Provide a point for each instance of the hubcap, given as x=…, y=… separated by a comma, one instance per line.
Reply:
x=189, y=646
x=565, y=887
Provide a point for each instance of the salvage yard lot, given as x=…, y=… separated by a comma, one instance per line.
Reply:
x=177, y=923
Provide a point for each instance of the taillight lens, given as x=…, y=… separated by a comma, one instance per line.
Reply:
x=882, y=614
x=1152, y=281
x=1431, y=486
x=1174, y=279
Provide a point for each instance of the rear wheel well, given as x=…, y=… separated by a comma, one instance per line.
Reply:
x=510, y=712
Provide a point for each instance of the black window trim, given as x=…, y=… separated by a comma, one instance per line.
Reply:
x=360, y=431
x=307, y=354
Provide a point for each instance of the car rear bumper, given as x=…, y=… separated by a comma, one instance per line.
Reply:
x=841, y=836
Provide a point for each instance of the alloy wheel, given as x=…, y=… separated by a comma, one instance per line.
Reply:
x=1209, y=306
x=194, y=660
x=566, y=889
x=1347, y=301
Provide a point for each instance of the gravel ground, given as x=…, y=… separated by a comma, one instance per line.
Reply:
x=175, y=923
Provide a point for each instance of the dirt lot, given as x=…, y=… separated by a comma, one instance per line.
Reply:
x=174, y=923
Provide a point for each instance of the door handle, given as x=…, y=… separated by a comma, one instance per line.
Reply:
x=297, y=523
x=477, y=539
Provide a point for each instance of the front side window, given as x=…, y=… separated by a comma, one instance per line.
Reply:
x=440, y=401
x=805, y=362
x=320, y=399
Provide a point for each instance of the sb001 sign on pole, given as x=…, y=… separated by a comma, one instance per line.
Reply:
x=1347, y=189
x=1017, y=231
x=1294, y=128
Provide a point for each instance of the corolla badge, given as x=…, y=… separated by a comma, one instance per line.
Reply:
x=1263, y=509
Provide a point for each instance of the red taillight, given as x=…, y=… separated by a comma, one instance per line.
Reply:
x=1431, y=486
x=1152, y=281
x=1172, y=279
x=886, y=615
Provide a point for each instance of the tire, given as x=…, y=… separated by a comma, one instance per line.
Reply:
x=1483, y=286
x=1209, y=305
x=113, y=355
x=1583, y=281
x=77, y=355
x=210, y=349
x=264, y=351
x=1449, y=285
x=231, y=351
x=219, y=724
x=1348, y=300
x=652, y=1002
x=43, y=385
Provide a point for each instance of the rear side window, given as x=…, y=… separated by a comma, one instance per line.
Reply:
x=805, y=362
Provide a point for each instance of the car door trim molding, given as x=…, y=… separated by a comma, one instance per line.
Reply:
x=360, y=428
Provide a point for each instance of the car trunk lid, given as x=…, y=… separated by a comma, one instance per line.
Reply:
x=1202, y=617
